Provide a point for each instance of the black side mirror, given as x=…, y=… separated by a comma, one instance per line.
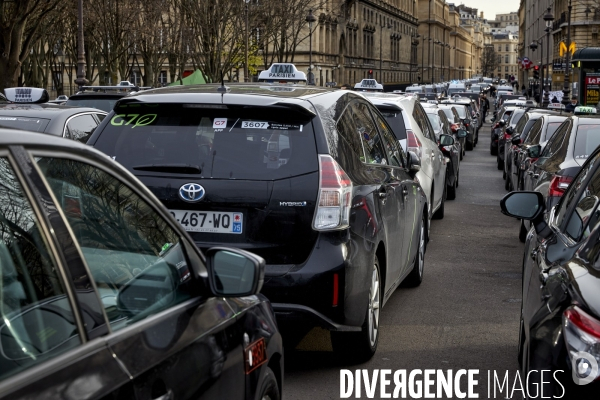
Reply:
x=446, y=140
x=510, y=130
x=516, y=140
x=501, y=123
x=534, y=151
x=234, y=272
x=528, y=206
x=414, y=162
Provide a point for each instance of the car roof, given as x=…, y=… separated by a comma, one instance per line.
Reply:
x=100, y=94
x=44, y=110
x=587, y=119
x=259, y=94
x=10, y=137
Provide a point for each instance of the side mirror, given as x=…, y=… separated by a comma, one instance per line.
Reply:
x=523, y=205
x=516, y=140
x=534, y=151
x=510, y=130
x=446, y=140
x=234, y=272
x=462, y=133
x=414, y=162
x=501, y=123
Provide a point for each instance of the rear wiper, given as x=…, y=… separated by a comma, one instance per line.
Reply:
x=175, y=168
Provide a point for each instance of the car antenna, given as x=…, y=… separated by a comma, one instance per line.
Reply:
x=223, y=89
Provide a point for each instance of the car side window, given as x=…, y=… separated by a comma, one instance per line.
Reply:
x=373, y=146
x=394, y=150
x=421, y=118
x=535, y=133
x=556, y=140
x=135, y=258
x=81, y=127
x=570, y=195
x=586, y=213
x=521, y=124
x=38, y=322
x=347, y=130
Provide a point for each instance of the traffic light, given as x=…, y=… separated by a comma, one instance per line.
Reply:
x=536, y=72
x=370, y=74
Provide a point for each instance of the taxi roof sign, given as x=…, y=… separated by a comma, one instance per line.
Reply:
x=369, y=84
x=556, y=106
x=583, y=110
x=26, y=95
x=282, y=72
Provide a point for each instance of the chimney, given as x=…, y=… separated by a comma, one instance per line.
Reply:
x=481, y=15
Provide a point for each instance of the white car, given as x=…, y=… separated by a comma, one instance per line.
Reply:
x=125, y=83
x=412, y=128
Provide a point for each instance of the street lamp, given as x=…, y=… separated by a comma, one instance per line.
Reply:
x=548, y=17
x=567, y=84
x=533, y=46
x=80, y=81
x=246, y=77
x=310, y=18
x=389, y=26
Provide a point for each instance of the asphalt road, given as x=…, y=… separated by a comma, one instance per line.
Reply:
x=465, y=315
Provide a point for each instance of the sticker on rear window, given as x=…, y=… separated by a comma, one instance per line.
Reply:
x=133, y=119
x=254, y=125
x=284, y=127
x=219, y=123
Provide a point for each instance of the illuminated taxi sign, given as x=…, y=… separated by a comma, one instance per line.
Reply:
x=26, y=95
x=282, y=72
x=370, y=85
x=582, y=110
x=556, y=106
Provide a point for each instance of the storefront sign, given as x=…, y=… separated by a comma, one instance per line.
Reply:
x=591, y=90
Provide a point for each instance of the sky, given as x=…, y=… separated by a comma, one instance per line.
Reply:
x=491, y=7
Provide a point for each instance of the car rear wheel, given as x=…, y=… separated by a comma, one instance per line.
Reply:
x=269, y=390
x=415, y=277
x=359, y=347
x=469, y=146
x=500, y=165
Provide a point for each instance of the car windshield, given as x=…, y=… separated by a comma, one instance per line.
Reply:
x=586, y=141
x=254, y=143
x=24, y=123
x=552, y=127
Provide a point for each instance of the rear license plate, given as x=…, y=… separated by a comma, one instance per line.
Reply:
x=209, y=221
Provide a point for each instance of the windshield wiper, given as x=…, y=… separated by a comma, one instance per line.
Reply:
x=174, y=168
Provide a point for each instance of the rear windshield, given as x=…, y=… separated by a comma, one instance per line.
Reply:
x=516, y=117
x=104, y=104
x=506, y=115
x=586, y=141
x=455, y=90
x=449, y=114
x=396, y=121
x=255, y=143
x=552, y=127
x=24, y=123
x=435, y=121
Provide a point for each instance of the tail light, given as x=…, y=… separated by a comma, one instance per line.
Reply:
x=582, y=338
x=558, y=185
x=414, y=144
x=335, y=195
x=507, y=136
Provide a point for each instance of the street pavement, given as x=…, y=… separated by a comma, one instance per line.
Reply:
x=465, y=314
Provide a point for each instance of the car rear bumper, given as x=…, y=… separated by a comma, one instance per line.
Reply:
x=296, y=315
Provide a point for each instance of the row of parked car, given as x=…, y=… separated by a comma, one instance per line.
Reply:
x=549, y=160
x=199, y=227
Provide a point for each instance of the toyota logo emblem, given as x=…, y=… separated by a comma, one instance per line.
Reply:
x=191, y=192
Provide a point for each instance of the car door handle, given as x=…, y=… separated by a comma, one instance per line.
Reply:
x=404, y=191
x=383, y=193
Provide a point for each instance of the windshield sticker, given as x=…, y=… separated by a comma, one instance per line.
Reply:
x=284, y=127
x=133, y=119
x=254, y=125
x=219, y=123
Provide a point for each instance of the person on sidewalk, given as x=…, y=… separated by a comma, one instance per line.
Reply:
x=571, y=106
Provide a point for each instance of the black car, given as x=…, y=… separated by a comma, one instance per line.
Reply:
x=505, y=134
x=310, y=179
x=519, y=134
x=456, y=124
x=560, y=315
x=564, y=154
x=104, y=295
x=467, y=115
x=101, y=97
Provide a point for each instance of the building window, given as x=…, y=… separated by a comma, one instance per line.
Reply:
x=506, y=69
x=506, y=59
x=135, y=77
x=162, y=78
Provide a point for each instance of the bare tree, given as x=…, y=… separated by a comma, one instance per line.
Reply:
x=489, y=60
x=22, y=24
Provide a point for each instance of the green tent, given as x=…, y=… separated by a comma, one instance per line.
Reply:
x=194, y=79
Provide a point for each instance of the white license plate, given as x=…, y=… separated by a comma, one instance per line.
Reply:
x=209, y=221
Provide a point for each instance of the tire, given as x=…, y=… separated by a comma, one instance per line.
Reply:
x=493, y=150
x=469, y=146
x=500, y=165
x=439, y=214
x=269, y=390
x=522, y=232
x=457, y=176
x=359, y=347
x=415, y=277
x=507, y=182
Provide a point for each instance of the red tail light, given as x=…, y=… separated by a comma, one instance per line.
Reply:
x=583, y=321
x=506, y=136
x=414, y=144
x=336, y=290
x=558, y=185
x=335, y=192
